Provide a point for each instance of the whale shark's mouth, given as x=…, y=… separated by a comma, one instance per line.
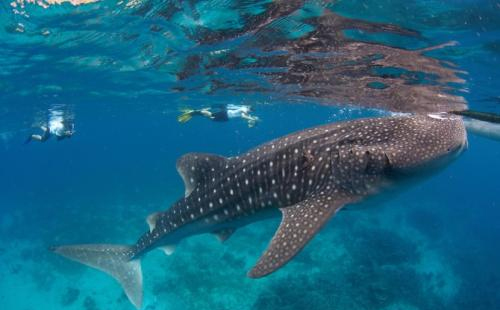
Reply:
x=430, y=167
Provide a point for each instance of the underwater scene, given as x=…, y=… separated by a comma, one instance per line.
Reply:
x=249, y=154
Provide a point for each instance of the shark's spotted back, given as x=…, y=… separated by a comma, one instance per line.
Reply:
x=308, y=176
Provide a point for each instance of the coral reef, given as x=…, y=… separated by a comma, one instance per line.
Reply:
x=70, y=296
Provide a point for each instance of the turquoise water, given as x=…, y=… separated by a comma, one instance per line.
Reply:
x=121, y=70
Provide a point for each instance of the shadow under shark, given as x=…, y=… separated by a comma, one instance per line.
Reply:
x=309, y=176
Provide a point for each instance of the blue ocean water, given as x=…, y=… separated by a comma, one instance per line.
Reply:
x=122, y=70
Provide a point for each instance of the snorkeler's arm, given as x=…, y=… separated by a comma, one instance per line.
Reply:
x=251, y=120
x=249, y=117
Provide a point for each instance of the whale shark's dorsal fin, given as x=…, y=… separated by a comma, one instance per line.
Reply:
x=299, y=224
x=152, y=219
x=198, y=168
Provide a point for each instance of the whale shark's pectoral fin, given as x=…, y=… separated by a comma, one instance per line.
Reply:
x=299, y=224
x=198, y=168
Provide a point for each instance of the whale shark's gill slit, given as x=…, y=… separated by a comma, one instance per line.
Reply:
x=307, y=159
x=299, y=224
x=115, y=260
x=198, y=168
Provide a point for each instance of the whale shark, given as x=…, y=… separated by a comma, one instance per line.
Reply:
x=306, y=177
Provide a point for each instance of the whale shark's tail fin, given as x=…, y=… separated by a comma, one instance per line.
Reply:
x=112, y=259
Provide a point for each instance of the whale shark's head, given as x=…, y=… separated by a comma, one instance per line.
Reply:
x=425, y=143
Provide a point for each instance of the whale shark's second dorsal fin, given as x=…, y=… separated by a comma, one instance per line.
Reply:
x=198, y=168
x=152, y=219
x=299, y=224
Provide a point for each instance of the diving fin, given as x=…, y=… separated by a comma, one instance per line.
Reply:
x=185, y=116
